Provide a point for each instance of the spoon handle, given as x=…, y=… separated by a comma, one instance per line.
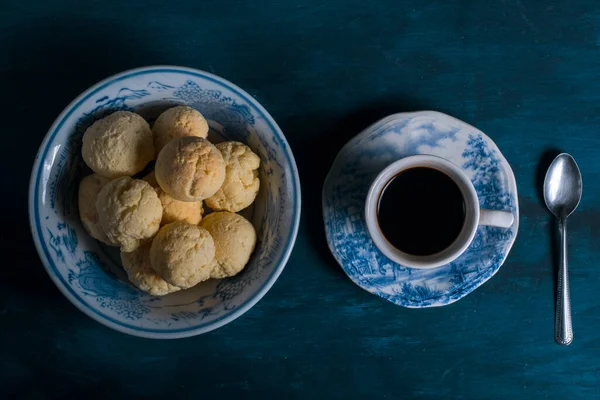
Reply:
x=563, y=333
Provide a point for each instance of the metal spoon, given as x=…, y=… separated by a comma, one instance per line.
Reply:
x=562, y=192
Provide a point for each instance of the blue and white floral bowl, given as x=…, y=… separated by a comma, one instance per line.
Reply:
x=89, y=274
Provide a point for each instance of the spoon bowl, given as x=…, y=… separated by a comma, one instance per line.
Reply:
x=562, y=186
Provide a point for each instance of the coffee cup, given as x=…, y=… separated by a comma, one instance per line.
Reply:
x=423, y=211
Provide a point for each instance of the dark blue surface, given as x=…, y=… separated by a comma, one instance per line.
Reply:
x=526, y=73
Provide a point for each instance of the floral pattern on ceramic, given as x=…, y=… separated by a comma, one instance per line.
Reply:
x=365, y=156
x=90, y=274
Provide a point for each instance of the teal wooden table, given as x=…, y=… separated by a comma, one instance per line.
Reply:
x=527, y=73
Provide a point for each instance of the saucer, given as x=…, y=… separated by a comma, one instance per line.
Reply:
x=367, y=154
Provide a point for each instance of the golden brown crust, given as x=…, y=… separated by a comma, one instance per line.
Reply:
x=89, y=187
x=175, y=210
x=241, y=178
x=235, y=239
x=118, y=145
x=141, y=274
x=176, y=122
x=129, y=211
x=190, y=169
x=182, y=254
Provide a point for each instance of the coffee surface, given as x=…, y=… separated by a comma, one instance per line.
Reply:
x=421, y=211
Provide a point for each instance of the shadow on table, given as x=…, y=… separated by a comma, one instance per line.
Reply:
x=46, y=65
x=315, y=154
x=545, y=160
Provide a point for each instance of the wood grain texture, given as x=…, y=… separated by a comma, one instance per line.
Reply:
x=527, y=73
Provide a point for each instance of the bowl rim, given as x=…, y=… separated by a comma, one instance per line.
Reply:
x=71, y=294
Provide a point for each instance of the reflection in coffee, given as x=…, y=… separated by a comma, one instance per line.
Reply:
x=421, y=211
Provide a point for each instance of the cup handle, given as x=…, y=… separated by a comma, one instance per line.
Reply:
x=501, y=219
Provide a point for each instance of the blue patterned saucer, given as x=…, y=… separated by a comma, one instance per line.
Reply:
x=367, y=154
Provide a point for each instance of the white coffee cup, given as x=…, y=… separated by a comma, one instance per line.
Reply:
x=474, y=215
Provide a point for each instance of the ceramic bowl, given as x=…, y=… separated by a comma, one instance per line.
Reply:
x=90, y=274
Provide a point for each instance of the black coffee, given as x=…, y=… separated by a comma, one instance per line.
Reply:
x=421, y=211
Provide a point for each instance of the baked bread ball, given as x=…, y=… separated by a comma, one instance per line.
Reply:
x=235, y=239
x=141, y=274
x=89, y=187
x=190, y=169
x=241, y=178
x=182, y=254
x=118, y=145
x=129, y=212
x=177, y=122
x=175, y=210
